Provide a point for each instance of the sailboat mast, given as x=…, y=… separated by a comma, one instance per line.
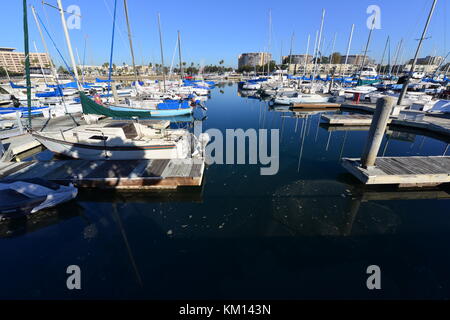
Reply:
x=384, y=53
x=162, y=52
x=179, y=55
x=44, y=43
x=290, y=51
x=40, y=62
x=306, y=56
x=112, y=48
x=419, y=46
x=348, y=47
x=27, y=59
x=130, y=40
x=69, y=45
x=367, y=48
x=318, y=46
x=332, y=50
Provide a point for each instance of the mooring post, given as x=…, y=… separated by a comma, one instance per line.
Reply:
x=376, y=132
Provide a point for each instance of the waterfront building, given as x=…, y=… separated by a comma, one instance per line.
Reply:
x=254, y=59
x=14, y=61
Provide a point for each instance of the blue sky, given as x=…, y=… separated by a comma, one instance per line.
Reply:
x=214, y=30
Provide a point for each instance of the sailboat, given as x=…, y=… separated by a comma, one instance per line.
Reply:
x=122, y=141
x=139, y=109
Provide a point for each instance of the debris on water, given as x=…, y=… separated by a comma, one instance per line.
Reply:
x=343, y=195
x=184, y=226
x=169, y=233
x=190, y=216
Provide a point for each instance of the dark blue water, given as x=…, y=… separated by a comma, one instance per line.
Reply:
x=308, y=232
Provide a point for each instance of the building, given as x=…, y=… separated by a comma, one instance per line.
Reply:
x=426, y=68
x=298, y=59
x=357, y=59
x=254, y=59
x=323, y=68
x=15, y=61
x=428, y=60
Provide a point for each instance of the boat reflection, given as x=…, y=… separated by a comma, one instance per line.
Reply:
x=335, y=208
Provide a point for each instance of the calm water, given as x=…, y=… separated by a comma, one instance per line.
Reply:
x=308, y=232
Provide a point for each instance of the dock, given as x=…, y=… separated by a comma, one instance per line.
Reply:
x=431, y=124
x=403, y=171
x=109, y=174
x=315, y=106
x=348, y=119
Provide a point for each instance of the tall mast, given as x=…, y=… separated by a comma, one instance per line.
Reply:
x=27, y=59
x=332, y=50
x=318, y=46
x=306, y=56
x=40, y=61
x=314, y=52
x=290, y=51
x=179, y=54
x=384, y=52
x=112, y=48
x=367, y=48
x=52, y=66
x=349, y=46
x=270, y=41
x=419, y=46
x=162, y=52
x=69, y=45
x=397, y=52
x=130, y=40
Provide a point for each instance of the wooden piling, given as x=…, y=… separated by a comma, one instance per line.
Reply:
x=376, y=132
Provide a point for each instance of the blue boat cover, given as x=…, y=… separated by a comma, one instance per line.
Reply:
x=173, y=105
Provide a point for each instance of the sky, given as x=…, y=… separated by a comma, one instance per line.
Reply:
x=220, y=30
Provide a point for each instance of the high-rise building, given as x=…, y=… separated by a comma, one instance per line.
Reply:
x=357, y=59
x=254, y=59
x=428, y=60
x=298, y=59
x=15, y=61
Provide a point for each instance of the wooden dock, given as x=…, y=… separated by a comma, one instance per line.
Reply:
x=437, y=125
x=109, y=174
x=348, y=119
x=403, y=171
x=315, y=106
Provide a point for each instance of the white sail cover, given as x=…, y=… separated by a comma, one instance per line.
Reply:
x=32, y=190
x=441, y=106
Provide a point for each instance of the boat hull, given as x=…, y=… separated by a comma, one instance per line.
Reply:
x=156, y=113
x=113, y=152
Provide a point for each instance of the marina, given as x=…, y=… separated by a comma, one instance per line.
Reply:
x=277, y=174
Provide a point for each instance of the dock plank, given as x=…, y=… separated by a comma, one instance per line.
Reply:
x=402, y=170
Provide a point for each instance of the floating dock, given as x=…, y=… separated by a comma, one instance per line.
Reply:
x=316, y=106
x=110, y=174
x=403, y=171
x=432, y=124
x=348, y=119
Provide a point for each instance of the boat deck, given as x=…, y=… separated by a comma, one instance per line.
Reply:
x=407, y=171
x=108, y=174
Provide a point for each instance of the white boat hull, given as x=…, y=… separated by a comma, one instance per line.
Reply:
x=107, y=151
